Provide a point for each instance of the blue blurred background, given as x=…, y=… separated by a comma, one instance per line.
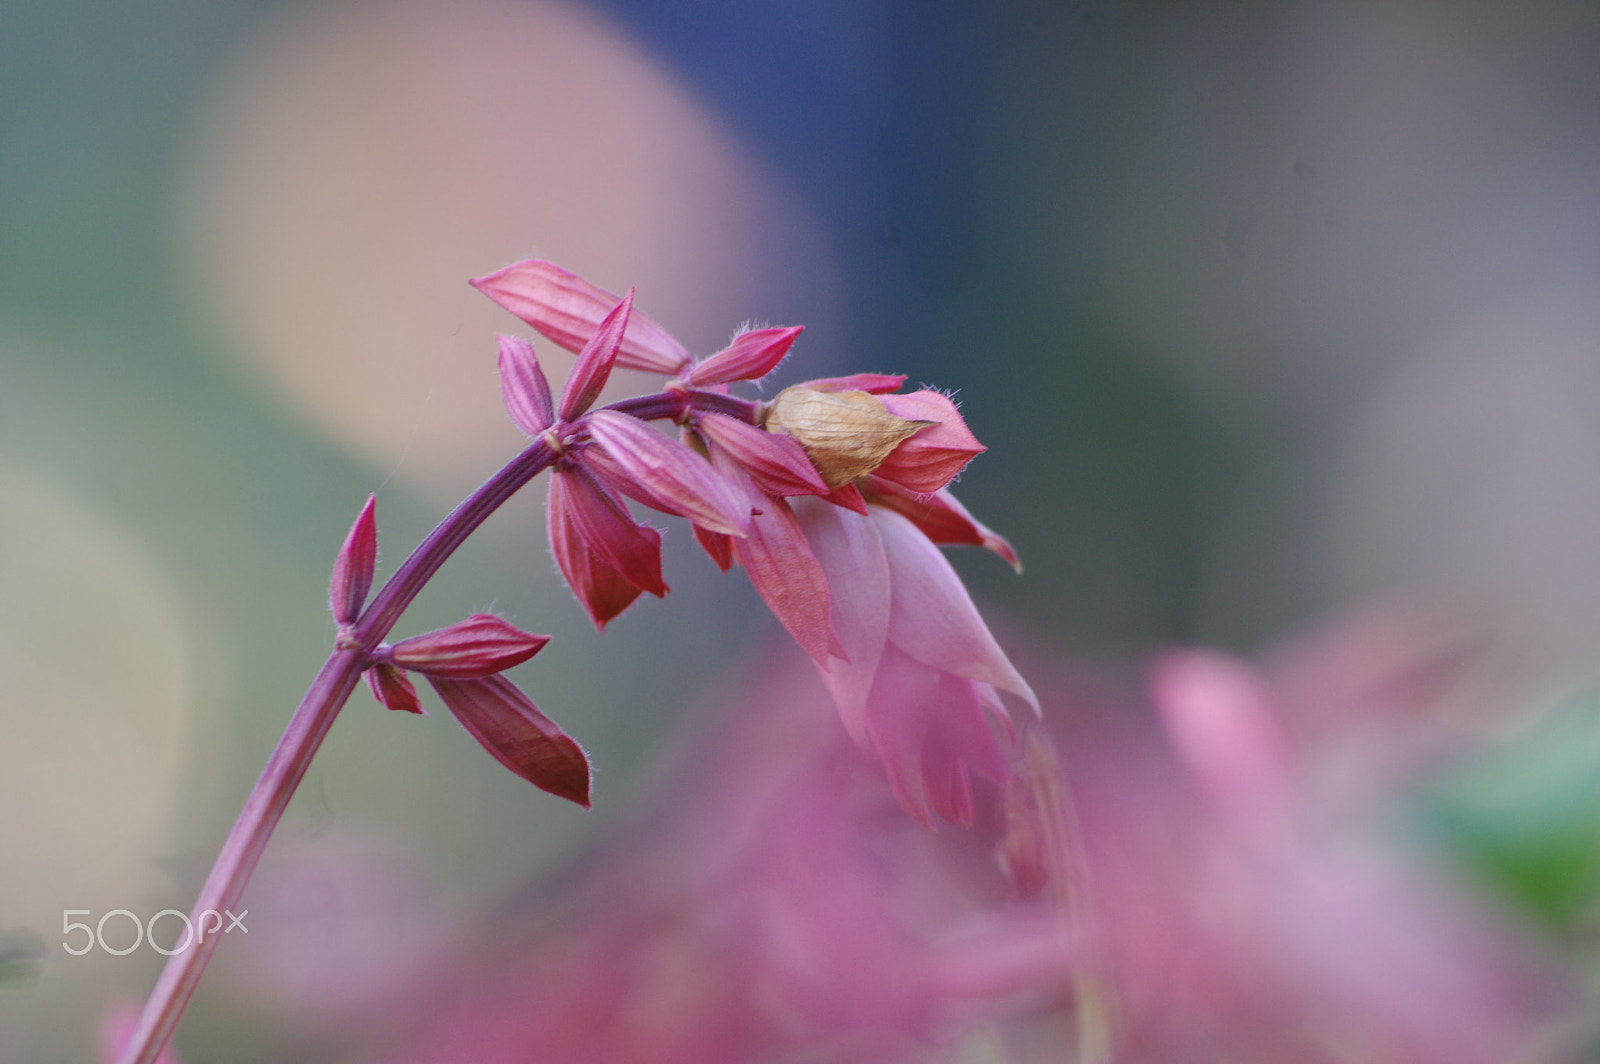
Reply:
x=1265, y=310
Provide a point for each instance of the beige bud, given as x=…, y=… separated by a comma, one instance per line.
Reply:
x=846, y=434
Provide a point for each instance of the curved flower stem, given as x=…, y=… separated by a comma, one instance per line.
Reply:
x=292, y=756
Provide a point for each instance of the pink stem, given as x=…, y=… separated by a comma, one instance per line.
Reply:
x=292, y=756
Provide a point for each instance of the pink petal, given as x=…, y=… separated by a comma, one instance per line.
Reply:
x=940, y=517
x=352, y=569
x=777, y=463
x=481, y=645
x=518, y=736
x=567, y=310
x=932, y=458
x=783, y=570
x=851, y=553
x=1222, y=719
x=602, y=591
x=523, y=386
x=393, y=689
x=930, y=730
x=632, y=549
x=872, y=383
x=933, y=619
x=594, y=363
x=661, y=472
x=751, y=356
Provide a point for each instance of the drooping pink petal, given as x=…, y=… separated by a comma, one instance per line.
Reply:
x=751, y=356
x=940, y=517
x=601, y=590
x=568, y=310
x=1221, y=718
x=851, y=553
x=352, y=569
x=523, y=386
x=873, y=383
x=608, y=530
x=777, y=463
x=593, y=368
x=933, y=619
x=930, y=459
x=393, y=689
x=481, y=645
x=518, y=736
x=661, y=472
x=930, y=730
x=781, y=566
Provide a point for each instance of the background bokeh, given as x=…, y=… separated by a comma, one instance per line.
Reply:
x=1266, y=311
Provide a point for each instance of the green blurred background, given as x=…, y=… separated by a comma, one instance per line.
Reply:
x=1265, y=311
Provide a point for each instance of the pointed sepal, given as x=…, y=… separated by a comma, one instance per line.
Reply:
x=777, y=463
x=941, y=517
x=751, y=356
x=599, y=355
x=872, y=383
x=352, y=569
x=932, y=457
x=481, y=645
x=393, y=689
x=567, y=310
x=663, y=473
x=517, y=735
x=524, y=387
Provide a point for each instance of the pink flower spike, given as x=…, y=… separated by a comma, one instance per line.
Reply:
x=393, y=689
x=524, y=387
x=517, y=735
x=751, y=356
x=568, y=310
x=594, y=363
x=777, y=463
x=872, y=383
x=941, y=518
x=932, y=458
x=600, y=589
x=481, y=645
x=608, y=530
x=352, y=569
x=661, y=472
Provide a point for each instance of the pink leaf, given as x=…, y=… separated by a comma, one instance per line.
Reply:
x=517, y=735
x=523, y=386
x=481, y=645
x=568, y=310
x=352, y=569
x=751, y=356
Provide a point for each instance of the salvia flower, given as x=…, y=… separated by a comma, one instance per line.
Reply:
x=833, y=498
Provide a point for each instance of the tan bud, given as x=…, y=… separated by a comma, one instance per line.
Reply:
x=845, y=434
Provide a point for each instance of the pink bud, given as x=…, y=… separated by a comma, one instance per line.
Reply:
x=751, y=356
x=661, y=472
x=568, y=310
x=517, y=735
x=872, y=383
x=594, y=363
x=777, y=463
x=391, y=687
x=930, y=459
x=523, y=386
x=481, y=645
x=352, y=569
